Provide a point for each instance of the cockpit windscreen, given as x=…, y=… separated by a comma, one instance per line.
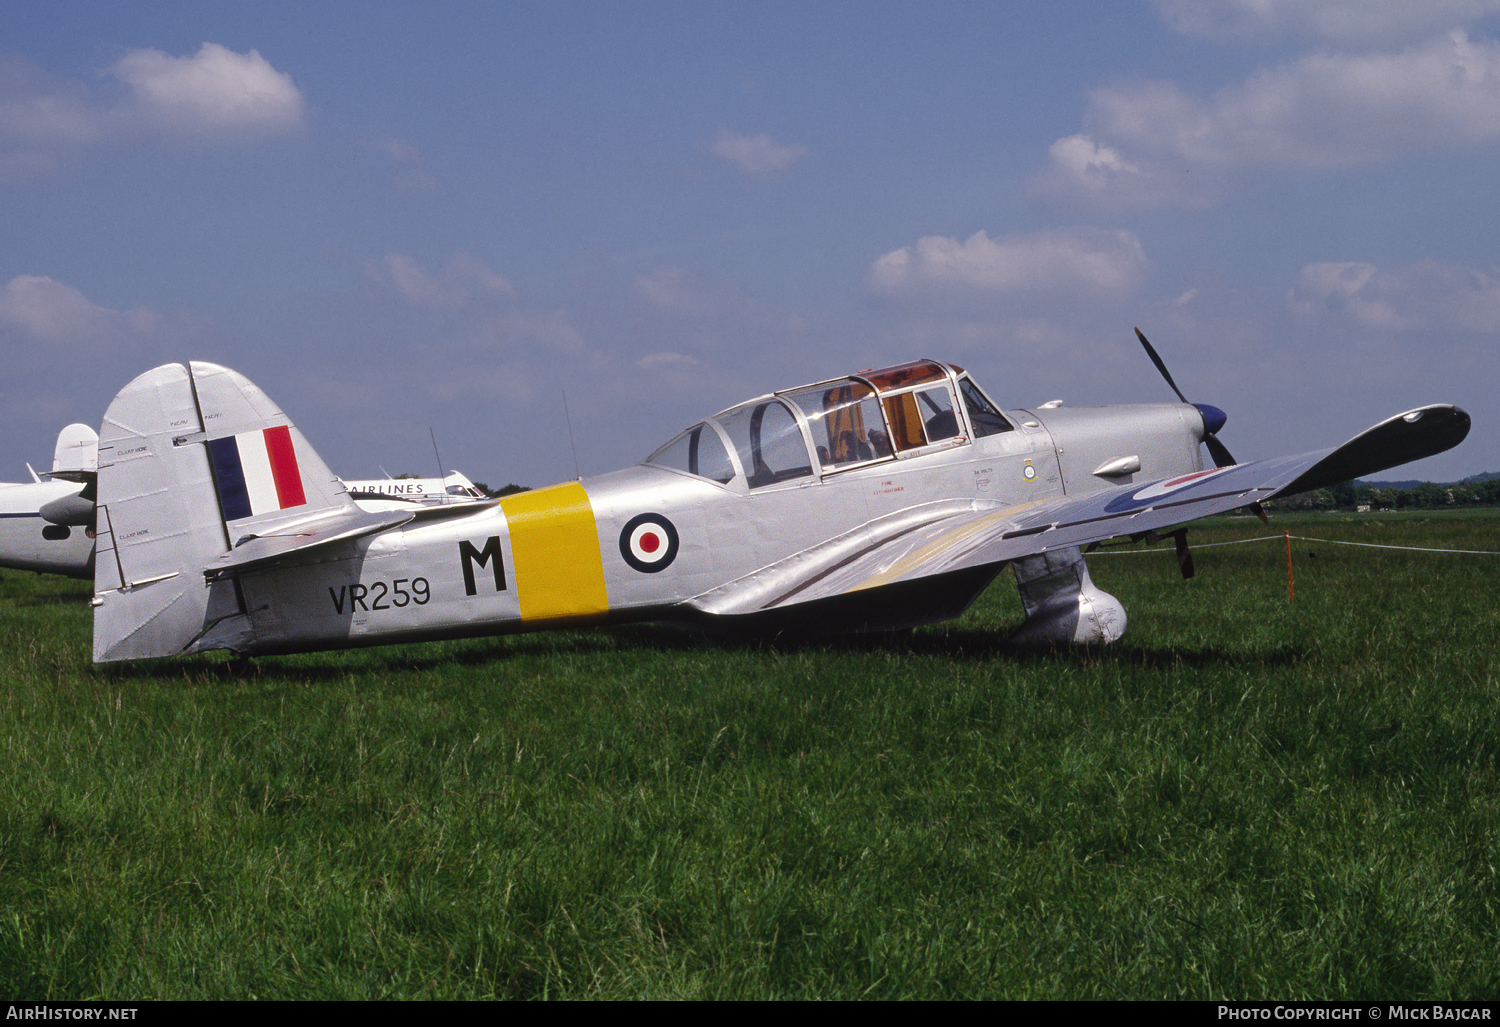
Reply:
x=697, y=451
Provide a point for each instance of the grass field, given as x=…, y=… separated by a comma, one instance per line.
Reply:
x=1246, y=798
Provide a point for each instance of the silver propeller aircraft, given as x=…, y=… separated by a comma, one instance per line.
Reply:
x=878, y=501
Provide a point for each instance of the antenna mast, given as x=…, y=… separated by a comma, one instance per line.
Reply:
x=442, y=480
x=577, y=474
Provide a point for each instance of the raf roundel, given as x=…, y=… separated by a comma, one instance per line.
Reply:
x=648, y=542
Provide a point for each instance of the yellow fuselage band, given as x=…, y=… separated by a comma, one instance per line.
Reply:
x=555, y=545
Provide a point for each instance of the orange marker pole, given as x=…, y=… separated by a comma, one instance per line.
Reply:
x=1291, y=593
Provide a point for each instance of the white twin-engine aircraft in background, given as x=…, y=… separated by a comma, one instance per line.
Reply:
x=872, y=503
x=32, y=540
x=451, y=488
x=878, y=501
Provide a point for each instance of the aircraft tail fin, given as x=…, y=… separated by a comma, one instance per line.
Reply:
x=77, y=450
x=191, y=461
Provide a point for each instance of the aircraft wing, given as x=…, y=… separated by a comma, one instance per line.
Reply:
x=938, y=538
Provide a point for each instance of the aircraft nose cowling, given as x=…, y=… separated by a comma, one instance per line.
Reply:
x=1213, y=418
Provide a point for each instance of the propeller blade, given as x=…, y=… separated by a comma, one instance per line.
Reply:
x=1219, y=451
x=1223, y=458
x=1151, y=352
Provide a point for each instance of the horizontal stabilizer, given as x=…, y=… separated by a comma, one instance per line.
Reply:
x=256, y=551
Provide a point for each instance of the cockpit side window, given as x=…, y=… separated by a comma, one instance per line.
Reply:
x=937, y=413
x=921, y=417
x=846, y=424
x=769, y=441
x=906, y=421
x=982, y=413
x=698, y=451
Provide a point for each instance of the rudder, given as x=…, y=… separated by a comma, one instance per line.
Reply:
x=157, y=520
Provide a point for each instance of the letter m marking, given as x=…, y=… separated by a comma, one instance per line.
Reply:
x=471, y=556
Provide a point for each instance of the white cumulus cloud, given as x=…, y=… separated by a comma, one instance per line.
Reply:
x=481, y=337
x=215, y=90
x=666, y=361
x=213, y=95
x=756, y=155
x=462, y=282
x=1074, y=259
x=1348, y=21
x=676, y=290
x=48, y=311
x=1426, y=296
x=1152, y=142
x=411, y=174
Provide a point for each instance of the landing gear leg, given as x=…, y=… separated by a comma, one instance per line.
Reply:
x=1063, y=606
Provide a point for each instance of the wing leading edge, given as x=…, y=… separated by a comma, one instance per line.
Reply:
x=944, y=538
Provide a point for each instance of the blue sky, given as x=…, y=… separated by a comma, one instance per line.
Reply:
x=403, y=216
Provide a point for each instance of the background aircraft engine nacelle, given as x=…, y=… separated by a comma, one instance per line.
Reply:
x=74, y=511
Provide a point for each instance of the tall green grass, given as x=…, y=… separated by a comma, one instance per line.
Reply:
x=1246, y=797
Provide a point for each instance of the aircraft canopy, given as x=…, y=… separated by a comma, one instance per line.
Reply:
x=873, y=416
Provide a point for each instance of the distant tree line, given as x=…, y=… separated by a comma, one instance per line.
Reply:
x=504, y=490
x=1480, y=490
